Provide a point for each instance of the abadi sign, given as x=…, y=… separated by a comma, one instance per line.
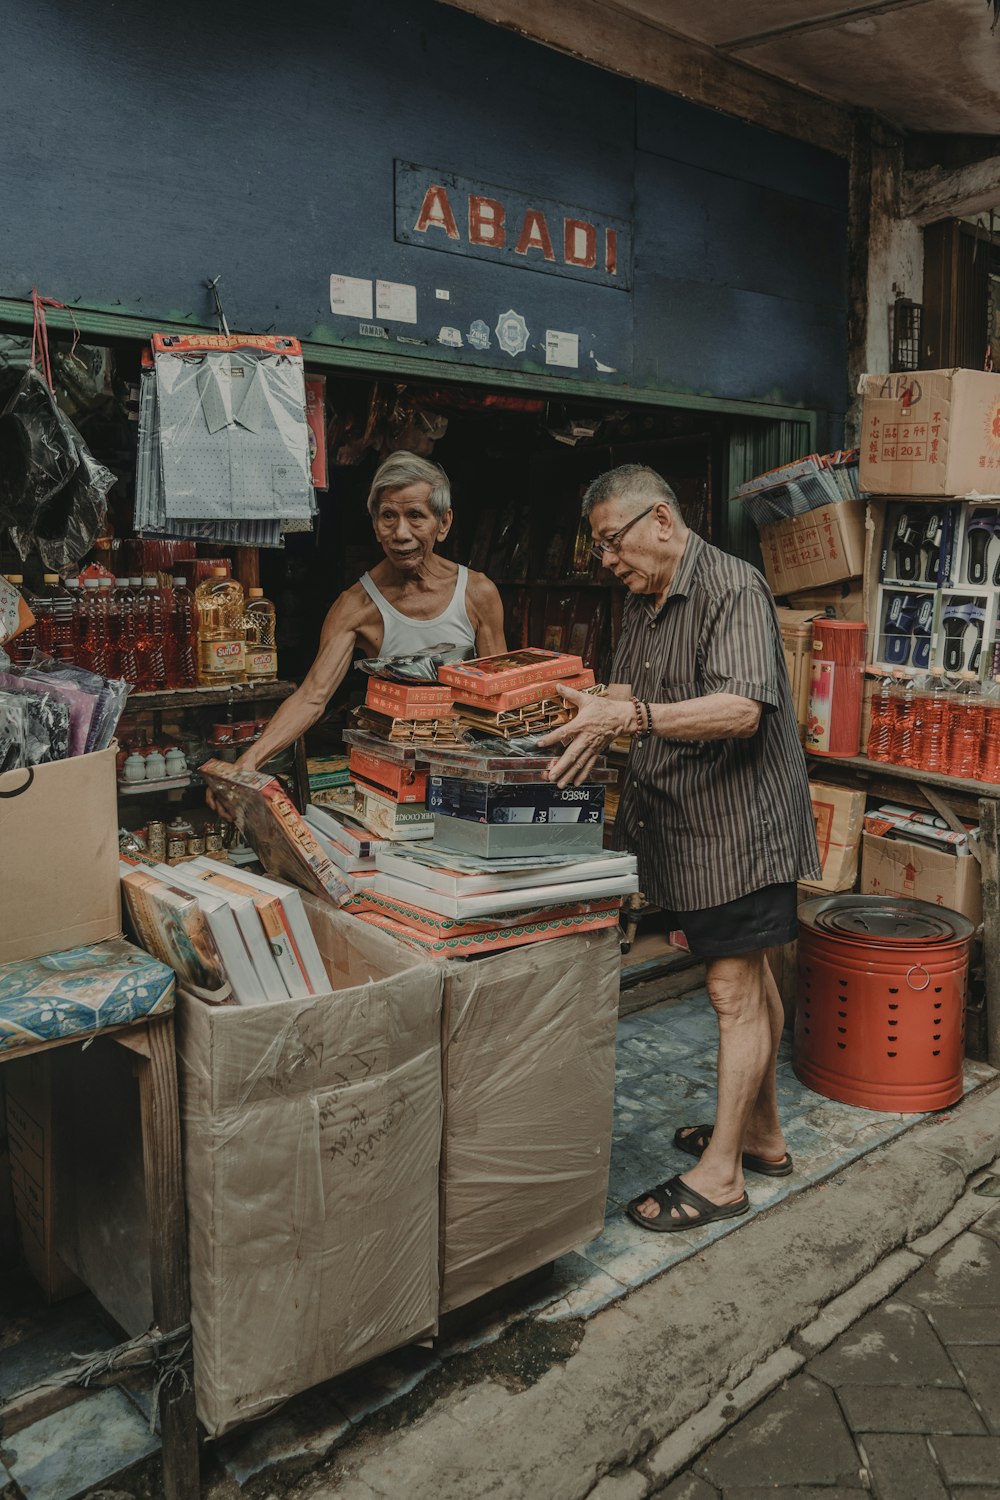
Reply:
x=441, y=211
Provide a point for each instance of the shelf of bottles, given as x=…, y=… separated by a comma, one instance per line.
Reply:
x=936, y=724
x=177, y=647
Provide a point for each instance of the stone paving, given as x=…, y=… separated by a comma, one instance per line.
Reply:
x=903, y=1405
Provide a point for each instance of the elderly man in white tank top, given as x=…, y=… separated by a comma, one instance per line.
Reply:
x=414, y=598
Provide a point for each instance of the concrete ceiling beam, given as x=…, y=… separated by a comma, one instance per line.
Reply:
x=939, y=192
x=600, y=33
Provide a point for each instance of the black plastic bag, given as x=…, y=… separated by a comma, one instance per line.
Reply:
x=53, y=492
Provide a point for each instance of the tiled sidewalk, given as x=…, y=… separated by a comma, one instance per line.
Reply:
x=905, y=1405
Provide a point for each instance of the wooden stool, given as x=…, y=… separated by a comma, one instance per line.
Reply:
x=116, y=990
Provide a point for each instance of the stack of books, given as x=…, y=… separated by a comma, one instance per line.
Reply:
x=409, y=713
x=459, y=906
x=266, y=817
x=514, y=858
x=232, y=938
x=515, y=695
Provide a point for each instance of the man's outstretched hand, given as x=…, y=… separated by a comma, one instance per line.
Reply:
x=596, y=723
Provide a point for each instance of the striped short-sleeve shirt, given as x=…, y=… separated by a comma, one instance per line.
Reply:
x=713, y=820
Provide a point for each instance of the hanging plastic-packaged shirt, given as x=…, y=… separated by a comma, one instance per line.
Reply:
x=150, y=508
x=234, y=438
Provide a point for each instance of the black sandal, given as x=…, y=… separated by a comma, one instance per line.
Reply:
x=694, y=1139
x=671, y=1195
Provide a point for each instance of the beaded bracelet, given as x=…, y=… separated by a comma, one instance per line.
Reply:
x=649, y=718
x=642, y=718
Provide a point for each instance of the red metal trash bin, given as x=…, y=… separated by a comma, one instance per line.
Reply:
x=880, y=1020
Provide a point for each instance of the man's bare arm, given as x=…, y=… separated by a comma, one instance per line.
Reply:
x=308, y=703
x=486, y=613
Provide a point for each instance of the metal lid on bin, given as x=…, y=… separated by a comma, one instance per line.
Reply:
x=884, y=920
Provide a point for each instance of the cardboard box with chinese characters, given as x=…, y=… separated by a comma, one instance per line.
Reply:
x=822, y=546
x=839, y=815
x=901, y=867
x=930, y=432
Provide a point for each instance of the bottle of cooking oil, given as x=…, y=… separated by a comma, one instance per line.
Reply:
x=221, y=636
x=262, y=657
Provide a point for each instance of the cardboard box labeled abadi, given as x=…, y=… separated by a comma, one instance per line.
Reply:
x=930, y=432
x=58, y=856
x=820, y=547
x=901, y=867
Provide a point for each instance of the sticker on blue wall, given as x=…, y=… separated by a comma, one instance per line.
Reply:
x=479, y=334
x=512, y=332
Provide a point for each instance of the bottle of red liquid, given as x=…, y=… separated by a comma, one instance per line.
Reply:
x=880, y=734
x=59, y=635
x=989, y=761
x=968, y=724
x=121, y=631
x=182, y=658
x=94, y=645
x=933, y=749
x=151, y=673
x=904, y=723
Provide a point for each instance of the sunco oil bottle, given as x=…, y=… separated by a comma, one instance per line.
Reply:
x=262, y=657
x=221, y=634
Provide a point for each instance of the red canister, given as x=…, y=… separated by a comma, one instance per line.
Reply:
x=836, y=688
x=880, y=1020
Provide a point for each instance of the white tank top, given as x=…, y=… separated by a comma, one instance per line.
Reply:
x=402, y=634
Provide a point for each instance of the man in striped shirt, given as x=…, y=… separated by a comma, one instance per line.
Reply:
x=715, y=803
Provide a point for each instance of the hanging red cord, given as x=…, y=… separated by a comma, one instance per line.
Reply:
x=40, y=334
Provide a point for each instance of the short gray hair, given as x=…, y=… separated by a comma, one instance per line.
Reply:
x=402, y=468
x=633, y=483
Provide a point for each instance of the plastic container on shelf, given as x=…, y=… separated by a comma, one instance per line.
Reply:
x=261, y=654
x=121, y=631
x=148, y=605
x=989, y=760
x=934, y=711
x=879, y=745
x=968, y=725
x=904, y=722
x=93, y=643
x=221, y=632
x=56, y=620
x=73, y=591
x=182, y=654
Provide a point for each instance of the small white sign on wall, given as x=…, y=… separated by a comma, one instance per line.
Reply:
x=351, y=296
x=395, y=301
x=562, y=349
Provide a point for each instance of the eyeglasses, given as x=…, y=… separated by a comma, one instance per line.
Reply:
x=613, y=542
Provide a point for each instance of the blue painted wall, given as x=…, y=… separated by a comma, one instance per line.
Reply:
x=147, y=147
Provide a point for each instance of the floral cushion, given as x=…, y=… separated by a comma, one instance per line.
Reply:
x=80, y=990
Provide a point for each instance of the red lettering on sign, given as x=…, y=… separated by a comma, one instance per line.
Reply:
x=535, y=235
x=579, y=243
x=611, y=251
x=435, y=213
x=487, y=217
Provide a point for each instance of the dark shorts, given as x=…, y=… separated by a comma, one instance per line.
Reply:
x=763, y=919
